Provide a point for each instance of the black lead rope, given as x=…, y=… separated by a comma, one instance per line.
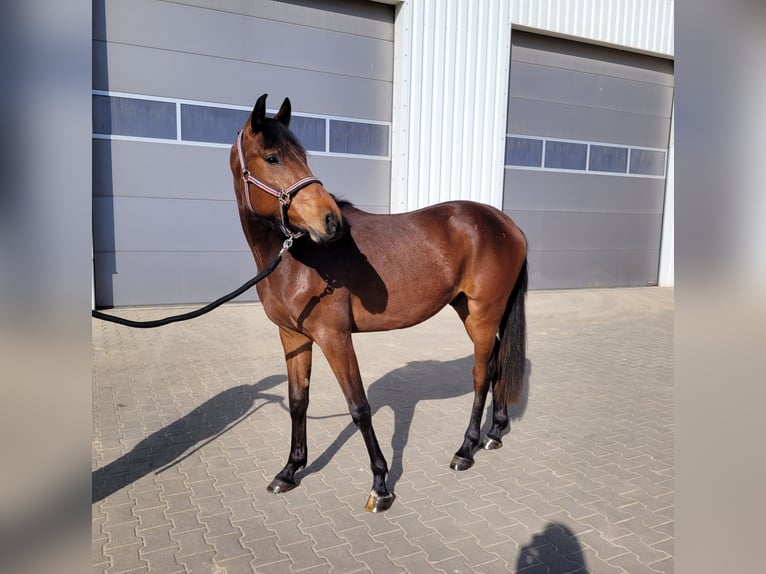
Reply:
x=192, y=314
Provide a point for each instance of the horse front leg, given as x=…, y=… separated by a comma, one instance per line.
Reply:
x=297, y=349
x=339, y=351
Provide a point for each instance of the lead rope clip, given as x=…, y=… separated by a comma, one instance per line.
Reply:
x=285, y=246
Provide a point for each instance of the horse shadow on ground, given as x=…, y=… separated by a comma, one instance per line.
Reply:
x=171, y=444
x=556, y=547
x=402, y=389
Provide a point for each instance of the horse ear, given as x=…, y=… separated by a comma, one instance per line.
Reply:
x=258, y=115
x=283, y=115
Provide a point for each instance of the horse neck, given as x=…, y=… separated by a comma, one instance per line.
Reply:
x=264, y=239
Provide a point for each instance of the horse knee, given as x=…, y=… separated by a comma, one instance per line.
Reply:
x=360, y=413
x=298, y=406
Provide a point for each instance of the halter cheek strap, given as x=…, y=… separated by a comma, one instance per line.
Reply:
x=285, y=196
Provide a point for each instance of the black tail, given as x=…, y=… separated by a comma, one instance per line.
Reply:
x=512, y=346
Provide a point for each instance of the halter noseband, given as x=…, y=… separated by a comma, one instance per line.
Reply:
x=285, y=196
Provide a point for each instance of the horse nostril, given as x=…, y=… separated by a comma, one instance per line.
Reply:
x=331, y=224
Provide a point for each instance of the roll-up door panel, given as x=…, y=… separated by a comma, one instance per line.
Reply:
x=174, y=81
x=588, y=130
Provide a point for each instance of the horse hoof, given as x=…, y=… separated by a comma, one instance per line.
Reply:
x=491, y=443
x=278, y=486
x=460, y=463
x=377, y=503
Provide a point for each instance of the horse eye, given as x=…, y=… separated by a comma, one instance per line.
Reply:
x=272, y=159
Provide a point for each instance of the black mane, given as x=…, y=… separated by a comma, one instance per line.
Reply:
x=277, y=135
x=341, y=203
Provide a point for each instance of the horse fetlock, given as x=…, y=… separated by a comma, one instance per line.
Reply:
x=379, y=469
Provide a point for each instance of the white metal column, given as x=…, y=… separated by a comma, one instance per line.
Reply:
x=451, y=66
x=667, y=246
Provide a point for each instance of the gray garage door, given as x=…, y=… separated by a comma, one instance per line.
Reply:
x=588, y=131
x=172, y=84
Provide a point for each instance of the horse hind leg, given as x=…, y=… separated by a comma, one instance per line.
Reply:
x=492, y=440
x=508, y=364
x=483, y=334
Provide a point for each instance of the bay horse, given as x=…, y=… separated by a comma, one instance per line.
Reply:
x=346, y=271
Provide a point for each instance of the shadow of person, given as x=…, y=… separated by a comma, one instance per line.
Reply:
x=169, y=445
x=556, y=547
x=401, y=390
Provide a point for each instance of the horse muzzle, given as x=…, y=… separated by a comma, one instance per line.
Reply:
x=330, y=229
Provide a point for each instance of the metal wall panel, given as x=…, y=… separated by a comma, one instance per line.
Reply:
x=168, y=278
x=645, y=25
x=583, y=269
x=585, y=89
x=565, y=192
x=231, y=36
x=581, y=231
x=592, y=59
x=140, y=224
x=371, y=19
x=157, y=170
x=141, y=70
x=538, y=118
x=364, y=182
x=167, y=171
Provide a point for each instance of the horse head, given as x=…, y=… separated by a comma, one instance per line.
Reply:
x=272, y=178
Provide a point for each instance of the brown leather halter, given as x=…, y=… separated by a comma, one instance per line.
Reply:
x=285, y=196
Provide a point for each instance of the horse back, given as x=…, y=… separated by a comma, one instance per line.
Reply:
x=449, y=233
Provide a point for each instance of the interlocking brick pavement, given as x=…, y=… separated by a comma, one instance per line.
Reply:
x=190, y=423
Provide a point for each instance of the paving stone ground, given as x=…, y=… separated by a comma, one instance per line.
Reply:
x=190, y=423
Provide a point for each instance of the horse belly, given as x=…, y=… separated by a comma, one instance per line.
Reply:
x=408, y=302
x=365, y=322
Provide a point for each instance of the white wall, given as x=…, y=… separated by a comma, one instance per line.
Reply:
x=450, y=100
